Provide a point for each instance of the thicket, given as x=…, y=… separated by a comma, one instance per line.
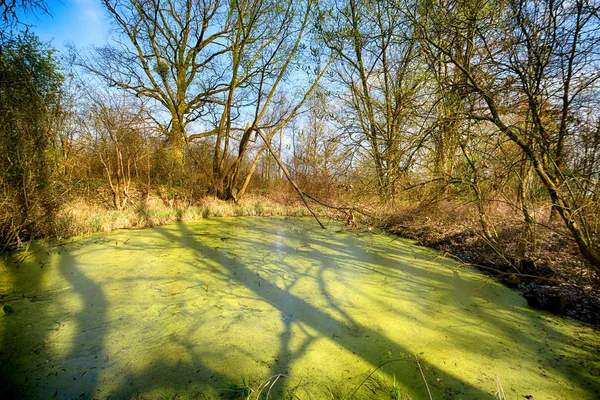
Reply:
x=29, y=86
x=393, y=108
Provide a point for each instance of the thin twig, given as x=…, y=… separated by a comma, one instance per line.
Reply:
x=273, y=379
x=500, y=391
x=423, y=375
x=271, y=385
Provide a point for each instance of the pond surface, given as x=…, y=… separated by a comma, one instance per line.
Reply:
x=190, y=307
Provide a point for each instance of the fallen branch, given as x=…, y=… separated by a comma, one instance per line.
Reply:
x=287, y=174
x=303, y=194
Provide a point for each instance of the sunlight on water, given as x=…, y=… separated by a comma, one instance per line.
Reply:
x=189, y=307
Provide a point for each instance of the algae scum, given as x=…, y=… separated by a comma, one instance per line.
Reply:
x=189, y=308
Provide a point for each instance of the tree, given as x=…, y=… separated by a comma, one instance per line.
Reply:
x=540, y=57
x=30, y=80
x=380, y=77
x=115, y=127
x=8, y=13
x=268, y=45
x=319, y=157
x=168, y=51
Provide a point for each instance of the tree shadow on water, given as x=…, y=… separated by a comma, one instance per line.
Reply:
x=38, y=364
x=64, y=339
x=296, y=311
x=20, y=340
x=230, y=298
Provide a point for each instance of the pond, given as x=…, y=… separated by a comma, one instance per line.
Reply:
x=189, y=308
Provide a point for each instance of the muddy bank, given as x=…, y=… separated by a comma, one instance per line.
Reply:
x=554, y=278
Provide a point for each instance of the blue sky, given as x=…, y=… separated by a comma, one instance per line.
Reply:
x=81, y=22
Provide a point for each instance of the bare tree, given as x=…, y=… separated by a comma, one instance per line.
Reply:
x=269, y=42
x=169, y=51
x=380, y=78
x=115, y=128
x=537, y=56
x=8, y=11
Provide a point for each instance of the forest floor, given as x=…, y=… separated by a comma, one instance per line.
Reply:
x=551, y=274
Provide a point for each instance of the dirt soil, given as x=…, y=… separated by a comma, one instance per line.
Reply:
x=551, y=274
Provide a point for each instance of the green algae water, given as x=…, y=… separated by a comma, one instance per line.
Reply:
x=187, y=309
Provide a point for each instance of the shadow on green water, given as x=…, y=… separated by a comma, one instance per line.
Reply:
x=295, y=310
x=11, y=338
x=86, y=357
x=326, y=290
x=33, y=366
x=344, y=330
x=485, y=336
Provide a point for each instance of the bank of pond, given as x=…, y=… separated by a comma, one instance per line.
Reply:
x=279, y=307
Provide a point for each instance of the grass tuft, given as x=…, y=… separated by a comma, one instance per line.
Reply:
x=237, y=391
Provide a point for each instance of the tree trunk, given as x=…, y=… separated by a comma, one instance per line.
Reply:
x=529, y=236
x=217, y=167
x=232, y=175
x=585, y=247
x=175, y=150
x=242, y=190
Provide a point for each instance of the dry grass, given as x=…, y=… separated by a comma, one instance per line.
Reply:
x=81, y=216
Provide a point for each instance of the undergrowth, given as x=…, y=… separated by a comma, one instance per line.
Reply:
x=82, y=217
